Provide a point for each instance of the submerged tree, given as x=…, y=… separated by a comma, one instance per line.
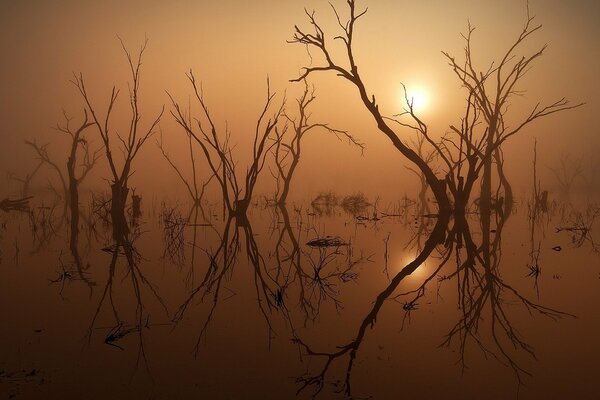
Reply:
x=217, y=148
x=491, y=91
x=288, y=145
x=464, y=155
x=567, y=172
x=78, y=165
x=348, y=69
x=194, y=188
x=131, y=144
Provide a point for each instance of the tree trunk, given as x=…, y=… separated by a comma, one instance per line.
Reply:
x=438, y=186
x=485, y=197
x=73, y=195
x=508, y=192
x=120, y=192
x=287, y=181
x=239, y=211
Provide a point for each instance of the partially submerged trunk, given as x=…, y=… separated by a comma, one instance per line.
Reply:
x=120, y=191
x=240, y=210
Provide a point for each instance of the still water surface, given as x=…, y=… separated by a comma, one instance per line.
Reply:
x=197, y=306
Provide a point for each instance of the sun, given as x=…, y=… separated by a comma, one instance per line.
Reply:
x=418, y=97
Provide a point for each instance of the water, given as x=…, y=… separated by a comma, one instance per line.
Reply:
x=195, y=306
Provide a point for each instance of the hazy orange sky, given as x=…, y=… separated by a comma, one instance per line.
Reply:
x=233, y=45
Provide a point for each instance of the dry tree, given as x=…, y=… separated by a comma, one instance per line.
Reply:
x=26, y=180
x=194, y=188
x=76, y=171
x=348, y=70
x=131, y=143
x=567, y=172
x=44, y=158
x=78, y=166
x=288, y=141
x=217, y=148
x=465, y=151
x=490, y=93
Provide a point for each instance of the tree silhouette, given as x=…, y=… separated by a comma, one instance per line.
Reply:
x=131, y=144
x=288, y=147
x=217, y=147
x=490, y=92
x=318, y=40
x=467, y=150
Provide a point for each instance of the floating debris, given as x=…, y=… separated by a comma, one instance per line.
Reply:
x=8, y=205
x=355, y=204
x=327, y=241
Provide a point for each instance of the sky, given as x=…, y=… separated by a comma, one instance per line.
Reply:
x=233, y=46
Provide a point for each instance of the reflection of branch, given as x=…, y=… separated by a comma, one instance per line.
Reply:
x=482, y=295
x=580, y=228
x=221, y=262
x=125, y=247
x=42, y=222
x=345, y=66
x=173, y=233
x=289, y=267
x=350, y=349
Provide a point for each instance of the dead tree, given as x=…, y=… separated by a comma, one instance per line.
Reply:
x=466, y=150
x=43, y=157
x=348, y=69
x=429, y=156
x=26, y=180
x=88, y=161
x=287, y=151
x=491, y=91
x=567, y=172
x=217, y=148
x=131, y=144
x=194, y=188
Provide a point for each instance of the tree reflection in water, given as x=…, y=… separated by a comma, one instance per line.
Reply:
x=482, y=298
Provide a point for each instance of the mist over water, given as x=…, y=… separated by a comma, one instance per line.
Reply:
x=236, y=201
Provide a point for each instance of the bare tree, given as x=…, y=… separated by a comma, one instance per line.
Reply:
x=568, y=170
x=217, y=148
x=348, y=69
x=491, y=91
x=131, y=144
x=288, y=145
x=43, y=157
x=194, y=188
x=466, y=150
x=76, y=171
x=289, y=142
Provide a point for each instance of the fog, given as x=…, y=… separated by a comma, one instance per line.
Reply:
x=233, y=46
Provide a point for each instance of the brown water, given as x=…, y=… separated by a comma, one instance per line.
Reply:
x=194, y=306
